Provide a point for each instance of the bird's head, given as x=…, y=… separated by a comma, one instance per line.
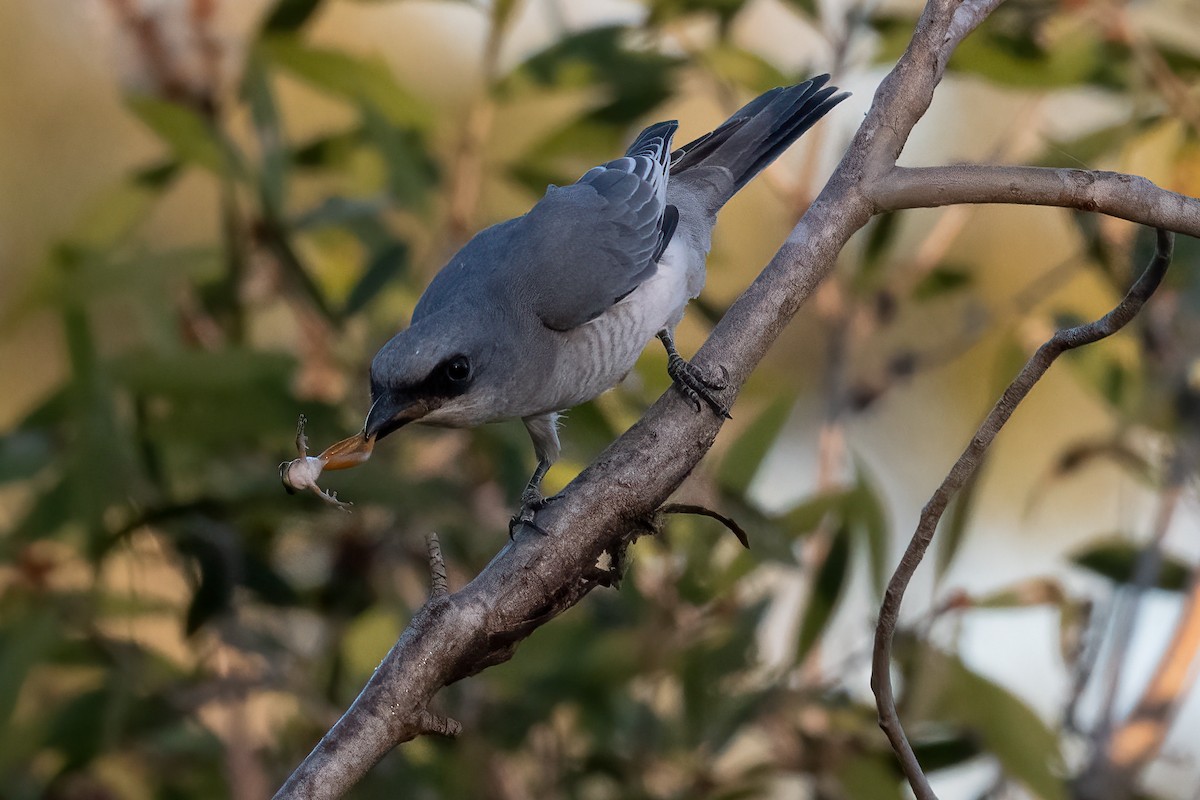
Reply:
x=428, y=370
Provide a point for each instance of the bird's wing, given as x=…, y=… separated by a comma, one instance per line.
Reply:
x=585, y=246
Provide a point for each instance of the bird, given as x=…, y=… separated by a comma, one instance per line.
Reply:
x=546, y=311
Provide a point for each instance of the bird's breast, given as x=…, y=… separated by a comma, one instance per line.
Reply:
x=595, y=356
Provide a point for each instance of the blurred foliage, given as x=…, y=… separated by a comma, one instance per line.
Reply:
x=173, y=625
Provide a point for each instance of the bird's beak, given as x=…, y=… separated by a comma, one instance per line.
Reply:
x=389, y=413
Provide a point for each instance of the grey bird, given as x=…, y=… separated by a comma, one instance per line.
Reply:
x=546, y=311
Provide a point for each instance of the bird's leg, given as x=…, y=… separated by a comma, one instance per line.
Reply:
x=689, y=380
x=543, y=431
x=532, y=500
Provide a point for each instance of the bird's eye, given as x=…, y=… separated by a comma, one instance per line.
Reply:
x=458, y=369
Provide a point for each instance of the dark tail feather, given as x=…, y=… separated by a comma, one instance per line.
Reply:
x=760, y=131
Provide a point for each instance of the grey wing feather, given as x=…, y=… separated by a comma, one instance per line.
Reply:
x=585, y=246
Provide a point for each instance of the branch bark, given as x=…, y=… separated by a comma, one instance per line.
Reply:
x=536, y=577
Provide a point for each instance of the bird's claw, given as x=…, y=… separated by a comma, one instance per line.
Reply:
x=532, y=502
x=691, y=381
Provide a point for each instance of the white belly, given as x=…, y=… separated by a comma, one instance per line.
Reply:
x=596, y=356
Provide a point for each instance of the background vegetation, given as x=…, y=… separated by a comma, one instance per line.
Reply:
x=173, y=625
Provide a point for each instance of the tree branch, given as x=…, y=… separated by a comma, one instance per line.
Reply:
x=1062, y=341
x=1116, y=194
x=536, y=577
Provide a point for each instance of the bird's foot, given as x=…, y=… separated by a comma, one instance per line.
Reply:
x=532, y=501
x=696, y=386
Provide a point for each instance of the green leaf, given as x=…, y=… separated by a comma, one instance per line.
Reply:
x=1030, y=592
x=1015, y=60
x=364, y=81
x=637, y=80
x=1116, y=559
x=50, y=513
x=190, y=137
x=199, y=372
x=870, y=777
x=945, y=749
x=411, y=172
x=940, y=281
x=24, y=642
x=23, y=454
x=329, y=151
x=744, y=457
x=827, y=590
x=868, y=520
x=1007, y=728
x=386, y=265
x=290, y=15
x=272, y=183
x=881, y=233
x=1090, y=148
x=216, y=579
x=804, y=518
x=955, y=523
x=744, y=68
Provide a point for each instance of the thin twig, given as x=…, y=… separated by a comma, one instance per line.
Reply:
x=968, y=462
x=688, y=508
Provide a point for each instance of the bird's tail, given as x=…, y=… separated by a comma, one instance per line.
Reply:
x=759, y=132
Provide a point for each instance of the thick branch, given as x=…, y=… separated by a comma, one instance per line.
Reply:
x=1116, y=194
x=960, y=473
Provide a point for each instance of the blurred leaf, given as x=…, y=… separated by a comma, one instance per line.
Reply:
x=1023, y=62
x=945, y=750
x=942, y=280
x=142, y=276
x=805, y=517
x=199, y=373
x=364, y=81
x=866, y=515
x=881, y=234
x=228, y=400
x=955, y=522
x=287, y=16
x=870, y=777
x=189, y=135
x=328, y=151
x=1007, y=728
x=256, y=89
x=23, y=454
x=1116, y=558
x=663, y=11
x=744, y=457
x=216, y=575
x=49, y=513
x=411, y=172
x=807, y=8
x=1081, y=454
x=744, y=68
x=1088, y=150
x=24, y=642
x=385, y=266
x=826, y=591
x=637, y=80
x=79, y=729
x=1030, y=592
x=340, y=211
